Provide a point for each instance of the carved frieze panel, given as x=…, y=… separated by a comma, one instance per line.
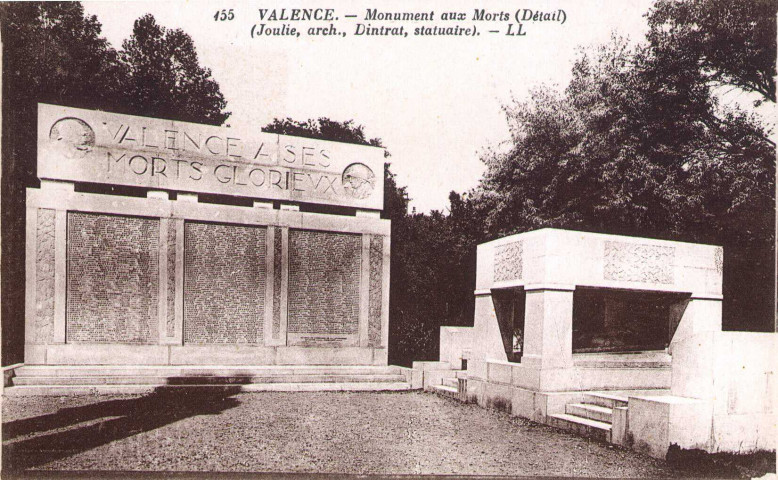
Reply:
x=508, y=262
x=635, y=262
x=44, y=277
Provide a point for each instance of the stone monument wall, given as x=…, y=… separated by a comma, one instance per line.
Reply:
x=171, y=280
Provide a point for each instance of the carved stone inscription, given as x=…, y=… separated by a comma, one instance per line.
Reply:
x=508, y=261
x=112, y=279
x=224, y=283
x=324, y=279
x=634, y=262
x=170, y=328
x=100, y=147
x=719, y=259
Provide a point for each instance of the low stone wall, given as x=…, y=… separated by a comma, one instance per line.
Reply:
x=455, y=345
x=735, y=372
x=427, y=374
x=577, y=378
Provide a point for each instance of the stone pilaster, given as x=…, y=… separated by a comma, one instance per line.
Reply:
x=548, y=327
x=364, y=293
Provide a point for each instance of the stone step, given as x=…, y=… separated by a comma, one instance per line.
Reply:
x=621, y=364
x=57, y=390
x=207, y=370
x=592, y=412
x=651, y=359
x=446, y=391
x=451, y=382
x=581, y=426
x=202, y=380
x=604, y=399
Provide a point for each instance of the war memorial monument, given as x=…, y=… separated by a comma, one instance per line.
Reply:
x=168, y=254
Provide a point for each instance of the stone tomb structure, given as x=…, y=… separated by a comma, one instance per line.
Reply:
x=154, y=275
x=582, y=303
x=617, y=338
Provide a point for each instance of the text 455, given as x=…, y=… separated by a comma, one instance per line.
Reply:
x=222, y=15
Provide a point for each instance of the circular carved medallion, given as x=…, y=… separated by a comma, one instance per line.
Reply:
x=358, y=180
x=72, y=137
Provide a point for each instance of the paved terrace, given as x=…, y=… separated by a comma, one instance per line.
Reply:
x=333, y=432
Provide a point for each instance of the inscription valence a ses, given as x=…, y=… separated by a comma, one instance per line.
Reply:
x=175, y=143
x=157, y=153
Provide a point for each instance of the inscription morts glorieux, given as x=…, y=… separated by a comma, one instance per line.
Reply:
x=100, y=147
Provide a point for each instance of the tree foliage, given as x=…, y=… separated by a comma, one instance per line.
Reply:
x=633, y=145
x=164, y=76
x=732, y=42
x=324, y=128
x=639, y=144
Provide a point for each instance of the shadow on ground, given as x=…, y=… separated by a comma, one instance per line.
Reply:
x=731, y=465
x=90, y=426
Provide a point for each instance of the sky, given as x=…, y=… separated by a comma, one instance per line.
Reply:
x=436, y=102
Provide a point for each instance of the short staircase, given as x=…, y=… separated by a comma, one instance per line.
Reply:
x=103, y=379
x=450, y=385
x=449, y=388
x=592, y=417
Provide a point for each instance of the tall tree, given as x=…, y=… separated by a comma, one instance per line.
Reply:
x=52, y=53
x=165, y=78
x=638, y=144
x=733, y=42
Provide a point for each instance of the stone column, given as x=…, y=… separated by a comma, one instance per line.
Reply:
x=277, y=288
x=169, y=257
x=57, y=189
x=548, y=327
x=275, y=328
x=162, y=309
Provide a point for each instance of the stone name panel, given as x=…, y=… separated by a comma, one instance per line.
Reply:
x=112, y=279
x=100, y=147
x=324, y=280
x=224, y=283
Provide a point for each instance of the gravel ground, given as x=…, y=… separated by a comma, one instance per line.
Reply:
x=360, y=433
